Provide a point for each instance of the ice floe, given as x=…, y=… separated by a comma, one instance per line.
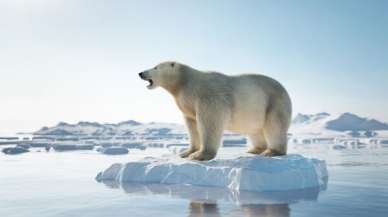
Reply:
x=114, y=150
x=246, y=173
x=72, y=147
x=15, y=150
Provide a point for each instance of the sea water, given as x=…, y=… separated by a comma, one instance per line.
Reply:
x=51, y=184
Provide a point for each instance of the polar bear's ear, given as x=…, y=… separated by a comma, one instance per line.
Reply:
x=172, y=64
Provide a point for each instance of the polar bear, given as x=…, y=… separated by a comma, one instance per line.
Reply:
x=211, y=102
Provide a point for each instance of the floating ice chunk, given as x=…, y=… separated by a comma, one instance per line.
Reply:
x=134, y=145
x=114, y=150
x=15, y=150
x=290, y=172
x=85, y=147
x=72, y=147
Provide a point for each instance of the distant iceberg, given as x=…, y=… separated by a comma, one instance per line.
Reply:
x=247, y=173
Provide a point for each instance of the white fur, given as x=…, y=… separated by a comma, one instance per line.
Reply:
x=211, y=102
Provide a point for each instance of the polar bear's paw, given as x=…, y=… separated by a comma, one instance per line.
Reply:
x=255, y=150
x=186, y=153
x=270, y=153
x=201, y=156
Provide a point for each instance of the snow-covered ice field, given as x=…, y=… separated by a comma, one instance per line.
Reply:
x=62, y=184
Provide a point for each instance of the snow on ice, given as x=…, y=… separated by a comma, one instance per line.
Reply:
x=247, y=173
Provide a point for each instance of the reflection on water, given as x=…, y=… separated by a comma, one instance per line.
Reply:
x=204, y=200
x=198, y=209
x=272, y=210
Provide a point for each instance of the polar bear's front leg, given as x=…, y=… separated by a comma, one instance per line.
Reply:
x=194, y=137
x=211, y=123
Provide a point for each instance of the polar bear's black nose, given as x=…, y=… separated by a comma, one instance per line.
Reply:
x=141, y=74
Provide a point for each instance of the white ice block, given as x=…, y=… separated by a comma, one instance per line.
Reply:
x=251, y=173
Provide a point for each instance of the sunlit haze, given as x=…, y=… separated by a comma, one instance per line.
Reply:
x=78, y=60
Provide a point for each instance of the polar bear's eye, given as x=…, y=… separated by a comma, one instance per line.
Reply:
x=172, y=64
x=155, y=67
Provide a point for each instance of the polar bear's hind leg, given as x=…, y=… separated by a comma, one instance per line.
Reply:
x=259, y=144
x=275, y=133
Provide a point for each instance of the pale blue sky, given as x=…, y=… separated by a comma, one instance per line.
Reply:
x=78, y=60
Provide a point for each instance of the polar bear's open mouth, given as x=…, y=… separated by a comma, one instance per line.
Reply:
x=145, y=76
x=151, y=82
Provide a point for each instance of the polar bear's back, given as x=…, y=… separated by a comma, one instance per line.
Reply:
x=254, y=97
x=256, y=85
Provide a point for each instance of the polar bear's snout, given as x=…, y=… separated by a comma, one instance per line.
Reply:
x=146, y=76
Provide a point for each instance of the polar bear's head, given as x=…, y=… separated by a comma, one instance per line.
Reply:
x=166, y=75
